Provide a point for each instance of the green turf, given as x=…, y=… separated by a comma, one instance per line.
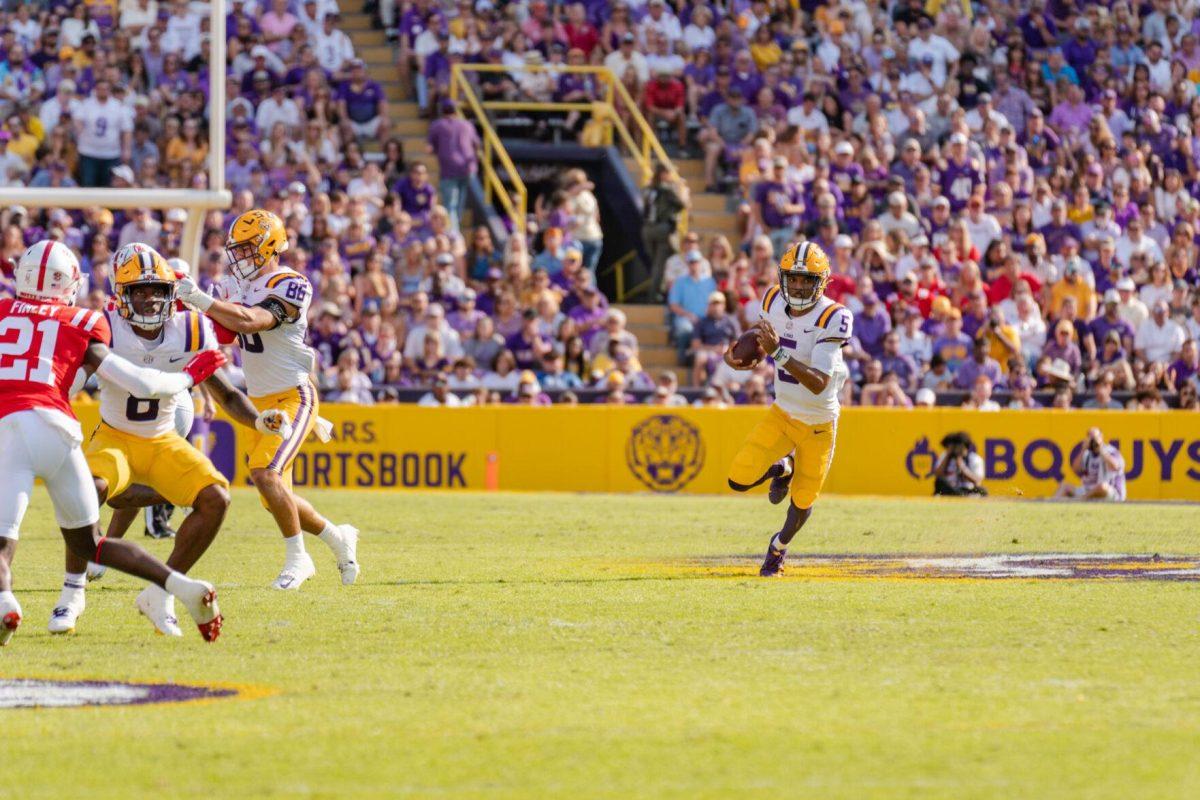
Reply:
x=516, y=646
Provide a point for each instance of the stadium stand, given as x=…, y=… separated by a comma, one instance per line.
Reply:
x=1007, y=191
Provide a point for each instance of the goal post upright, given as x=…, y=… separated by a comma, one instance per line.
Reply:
x=196, y=202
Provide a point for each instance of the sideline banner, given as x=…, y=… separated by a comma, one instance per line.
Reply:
x=629, y=449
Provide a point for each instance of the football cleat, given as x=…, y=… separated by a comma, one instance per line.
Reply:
x=95, y=571
x=63, y=618
x=203, y=607
x=779, y=486
x=295, y=573
x=160, y=613
x=158, y=521
x=773, y=564
x=8, y=626
x=348, y=554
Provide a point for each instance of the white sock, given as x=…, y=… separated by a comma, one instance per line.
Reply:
x=8, y=602
x=73, y=587
x=183, y=587
x=330, y=535
x=778, y=545
x=294, y=545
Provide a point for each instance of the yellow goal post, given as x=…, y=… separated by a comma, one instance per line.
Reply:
x=196, y=202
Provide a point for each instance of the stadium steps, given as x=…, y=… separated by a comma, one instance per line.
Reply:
x=371, y=45
x=656, y=353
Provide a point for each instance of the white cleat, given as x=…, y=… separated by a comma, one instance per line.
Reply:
x=160, y=611
x=95, y=571
x=295, y=573
x=348, y=554
x=201, y=603
x=64, y=617
x=8, y=626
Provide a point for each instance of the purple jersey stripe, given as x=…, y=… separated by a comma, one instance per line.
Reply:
x=299, y=425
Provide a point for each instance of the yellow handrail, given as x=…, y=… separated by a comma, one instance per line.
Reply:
x=517, y=208
x=605, y=111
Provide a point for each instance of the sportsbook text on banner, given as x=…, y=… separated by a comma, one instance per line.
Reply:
x=879, y=451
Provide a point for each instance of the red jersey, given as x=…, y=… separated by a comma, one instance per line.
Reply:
x=42, y=346
x=664, y=94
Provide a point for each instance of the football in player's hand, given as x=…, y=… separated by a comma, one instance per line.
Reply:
x=746, y=349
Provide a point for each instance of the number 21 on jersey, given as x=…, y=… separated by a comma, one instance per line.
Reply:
x=27, y=350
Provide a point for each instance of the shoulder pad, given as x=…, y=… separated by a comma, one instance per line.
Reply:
x=282, y=277
x=827, y=315
x=769, y=298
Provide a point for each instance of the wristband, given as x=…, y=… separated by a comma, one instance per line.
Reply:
x=780, y=356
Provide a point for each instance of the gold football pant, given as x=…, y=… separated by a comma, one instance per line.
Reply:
x=774, y=437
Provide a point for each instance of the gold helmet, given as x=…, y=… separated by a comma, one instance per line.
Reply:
x=808, y=262
x=136, y=265
x=254, y=239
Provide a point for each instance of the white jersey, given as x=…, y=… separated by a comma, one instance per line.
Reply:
x=184, y=335
x=276, y=360
x=815, y=338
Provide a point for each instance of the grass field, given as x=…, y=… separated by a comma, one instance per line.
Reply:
x=516, y=646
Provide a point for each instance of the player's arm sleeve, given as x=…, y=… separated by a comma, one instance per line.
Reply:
x=828, y=346
x=141, y=382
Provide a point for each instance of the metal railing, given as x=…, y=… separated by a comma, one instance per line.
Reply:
x=644, y=149
x=516, y=202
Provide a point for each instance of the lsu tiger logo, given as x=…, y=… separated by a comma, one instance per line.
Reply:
x=665, y=452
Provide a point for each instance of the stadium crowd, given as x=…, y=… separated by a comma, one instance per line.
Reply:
x=1008, y=198
x=1007, y=191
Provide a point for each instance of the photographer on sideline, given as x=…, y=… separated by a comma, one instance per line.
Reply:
x=1102, y=467
x=959, y=470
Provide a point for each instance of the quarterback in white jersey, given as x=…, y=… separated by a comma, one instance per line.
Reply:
x=136, y=455
x=792, y=446
x=268, y=311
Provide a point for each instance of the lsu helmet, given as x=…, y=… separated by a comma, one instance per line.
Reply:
x=140, y=264
x=255, y=238
x=48, y=272
x=808, y=261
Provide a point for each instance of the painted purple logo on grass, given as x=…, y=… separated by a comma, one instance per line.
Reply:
x=1045, y=566
x=34, y=693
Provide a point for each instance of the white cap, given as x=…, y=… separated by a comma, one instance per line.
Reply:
x=843, y=241
x=958, y=138
x=844, y=148
x=925, y=397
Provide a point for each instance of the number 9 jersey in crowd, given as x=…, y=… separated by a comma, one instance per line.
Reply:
x=277, y=364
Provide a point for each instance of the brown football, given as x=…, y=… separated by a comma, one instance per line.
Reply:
x=746, y=349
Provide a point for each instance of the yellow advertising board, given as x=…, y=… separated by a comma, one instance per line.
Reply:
x=629, y=449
